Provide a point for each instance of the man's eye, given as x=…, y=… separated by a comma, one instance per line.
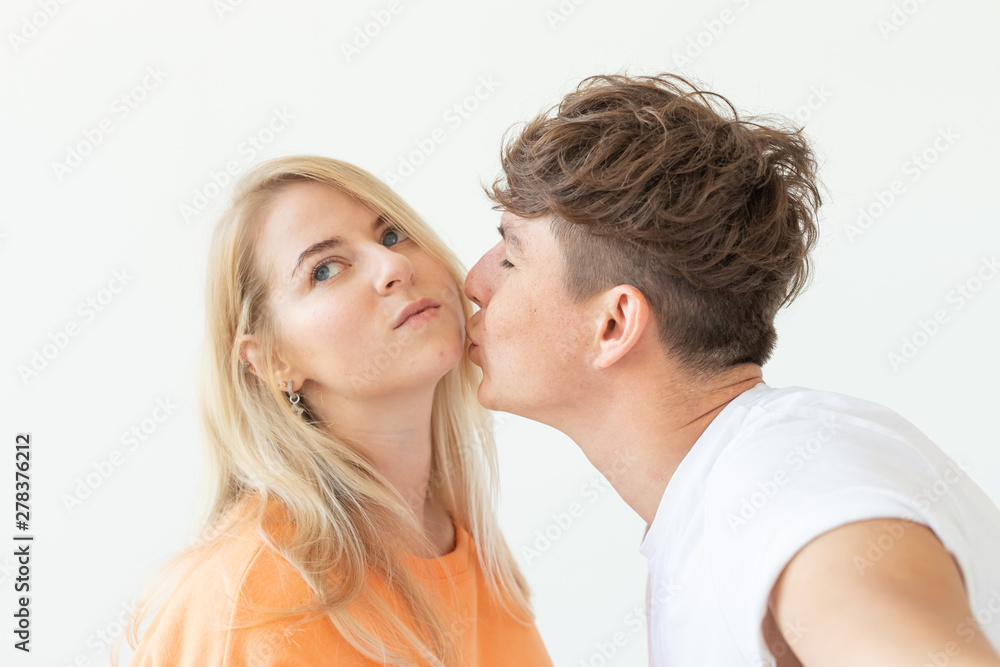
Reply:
x=507, y=265
x=394, y=236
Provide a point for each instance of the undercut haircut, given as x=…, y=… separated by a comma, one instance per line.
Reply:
x=652, y=182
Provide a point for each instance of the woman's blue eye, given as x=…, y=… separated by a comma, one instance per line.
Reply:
x=394, y=236
x=322, y=272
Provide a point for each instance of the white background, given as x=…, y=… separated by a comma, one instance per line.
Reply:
x=878, y=98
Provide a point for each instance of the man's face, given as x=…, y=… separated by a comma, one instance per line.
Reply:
x=528, y=337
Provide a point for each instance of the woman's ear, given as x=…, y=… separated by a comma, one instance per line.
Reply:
x=250, y=352
x=621, y=319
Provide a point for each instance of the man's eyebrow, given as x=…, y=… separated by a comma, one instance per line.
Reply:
x=328, y=244
x=510, y=237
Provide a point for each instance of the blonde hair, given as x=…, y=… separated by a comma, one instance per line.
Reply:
x=347, y=517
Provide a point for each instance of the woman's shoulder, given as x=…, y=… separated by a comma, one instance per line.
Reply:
x=244, y=562
x=209, y=618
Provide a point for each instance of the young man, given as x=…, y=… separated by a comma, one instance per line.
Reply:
x=649, y=236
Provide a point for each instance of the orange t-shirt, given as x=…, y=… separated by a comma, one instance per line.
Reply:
x=189, y=629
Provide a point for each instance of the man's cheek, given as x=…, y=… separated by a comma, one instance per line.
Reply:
x=516, y=335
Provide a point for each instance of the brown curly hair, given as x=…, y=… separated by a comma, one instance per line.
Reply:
x=654, y=183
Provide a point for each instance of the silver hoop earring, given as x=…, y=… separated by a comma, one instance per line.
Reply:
x=295, y=400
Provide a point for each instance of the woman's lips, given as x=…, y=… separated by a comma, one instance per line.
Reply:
x=413, y=309
x=420, y=317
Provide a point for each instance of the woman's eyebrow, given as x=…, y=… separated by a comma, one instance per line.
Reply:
x=327, y=244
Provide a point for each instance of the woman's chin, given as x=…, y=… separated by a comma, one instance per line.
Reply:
x=452, y=355
x=435, y=361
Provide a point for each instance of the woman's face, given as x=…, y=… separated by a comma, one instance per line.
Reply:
x=340, y=278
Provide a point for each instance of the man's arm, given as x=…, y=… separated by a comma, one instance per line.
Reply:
x=880, y=592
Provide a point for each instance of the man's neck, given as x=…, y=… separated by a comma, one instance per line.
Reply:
x=639, y=437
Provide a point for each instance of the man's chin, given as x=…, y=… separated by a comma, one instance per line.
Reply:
x=475, y=352
x=486, y=397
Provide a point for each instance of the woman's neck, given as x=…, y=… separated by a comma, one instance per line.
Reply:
x=394, y=432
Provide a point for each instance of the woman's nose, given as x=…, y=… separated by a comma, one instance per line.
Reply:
x=391, y=266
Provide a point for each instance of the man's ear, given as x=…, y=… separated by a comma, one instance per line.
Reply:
x=250, y=352
x=622, y=313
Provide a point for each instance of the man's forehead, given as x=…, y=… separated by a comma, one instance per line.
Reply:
x=509, y=222
x=511, y=231
x=510, y=219
x=524, y=227
x=531, y=240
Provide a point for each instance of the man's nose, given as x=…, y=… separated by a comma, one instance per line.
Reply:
x=479, y=279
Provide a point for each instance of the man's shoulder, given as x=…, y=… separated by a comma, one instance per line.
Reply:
x=774, y=417
x=822, y=433
x=801, y=440
x=805, y=402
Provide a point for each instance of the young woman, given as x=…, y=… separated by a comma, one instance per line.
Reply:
x=354, y=470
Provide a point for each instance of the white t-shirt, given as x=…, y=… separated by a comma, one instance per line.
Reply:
x=775, y=469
